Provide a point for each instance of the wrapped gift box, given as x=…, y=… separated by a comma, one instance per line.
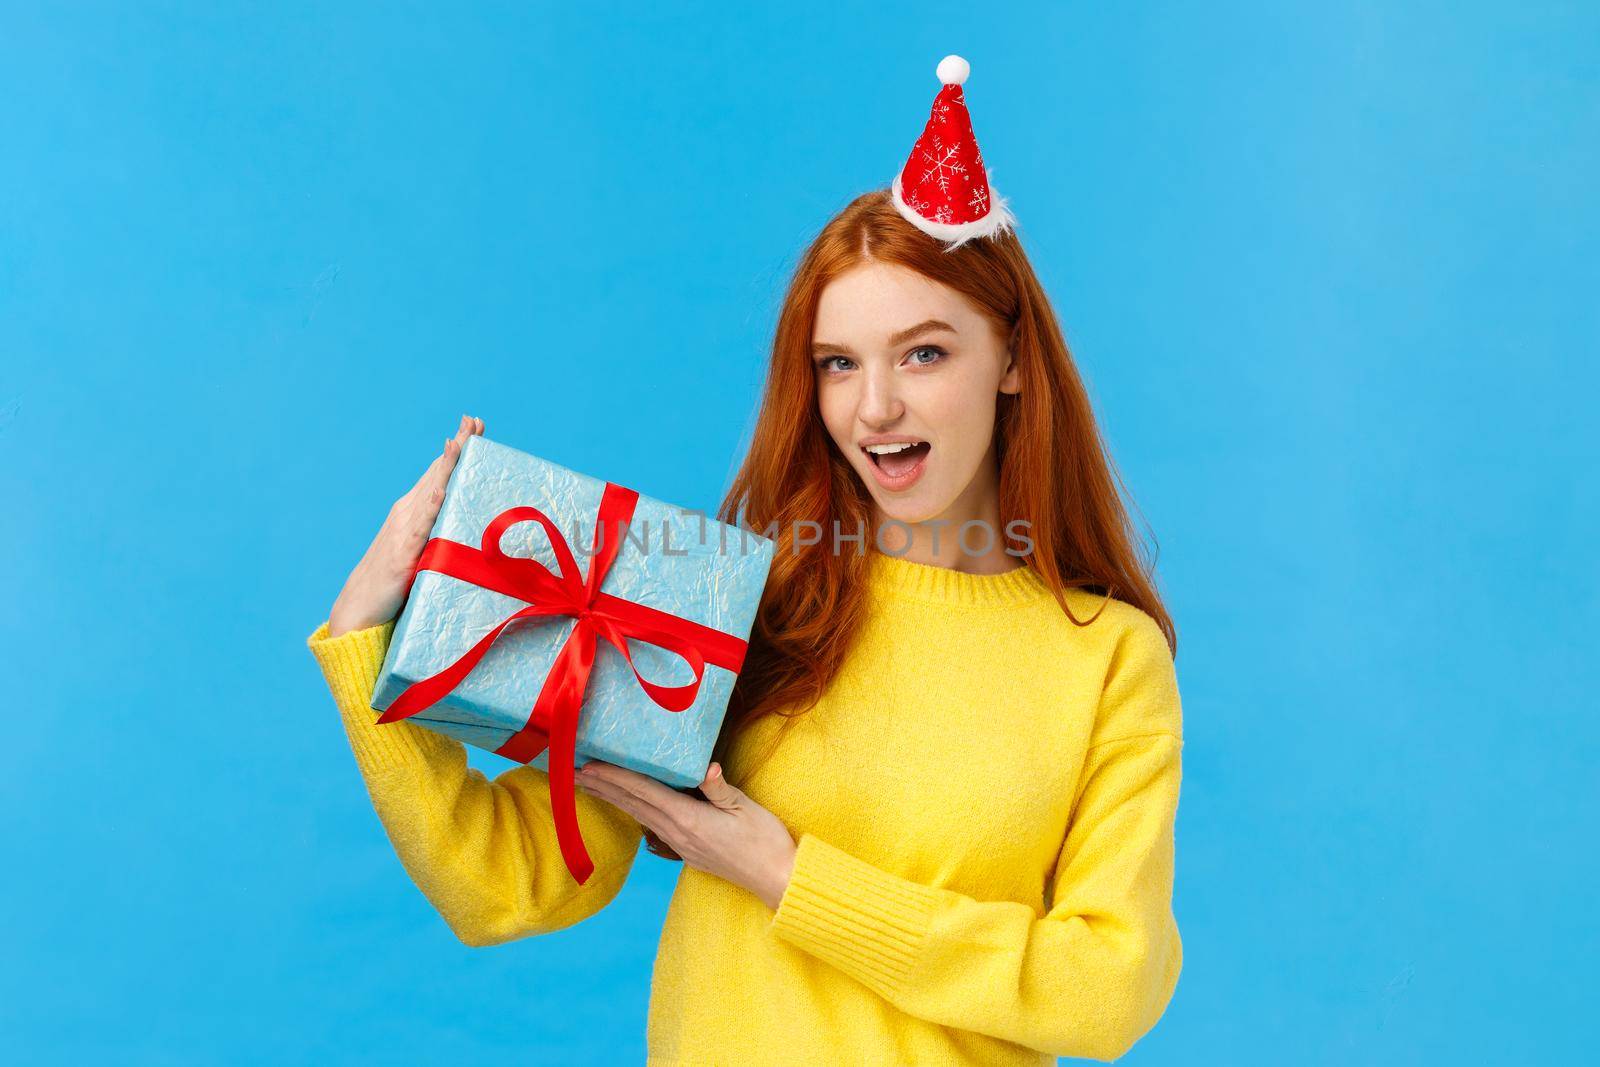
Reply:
x=671, y=560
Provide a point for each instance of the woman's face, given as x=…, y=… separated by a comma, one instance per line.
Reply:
x=887, y=376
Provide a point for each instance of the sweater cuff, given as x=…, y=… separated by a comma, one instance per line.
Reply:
x=859, y=918
x=351, y=663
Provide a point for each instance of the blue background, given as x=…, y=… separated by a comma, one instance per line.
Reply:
x=1329, y=269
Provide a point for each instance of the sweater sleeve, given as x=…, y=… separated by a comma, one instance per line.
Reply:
x=1091, y=975
x=483, y=852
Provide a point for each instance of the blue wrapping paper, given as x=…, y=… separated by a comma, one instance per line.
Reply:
x=675, y=561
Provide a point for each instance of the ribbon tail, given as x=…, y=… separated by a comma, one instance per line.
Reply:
x=563, y=793
x=429, y=691
x=556, y=710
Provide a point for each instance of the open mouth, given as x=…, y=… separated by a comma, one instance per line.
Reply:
x=898, y=460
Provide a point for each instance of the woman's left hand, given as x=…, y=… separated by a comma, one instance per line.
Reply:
x=732, y=836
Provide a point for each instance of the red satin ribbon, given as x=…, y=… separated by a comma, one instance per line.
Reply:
x=553, y=722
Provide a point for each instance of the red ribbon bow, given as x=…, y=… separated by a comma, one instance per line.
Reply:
x=553, y=722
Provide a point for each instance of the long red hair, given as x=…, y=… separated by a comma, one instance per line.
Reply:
x=1055, y=470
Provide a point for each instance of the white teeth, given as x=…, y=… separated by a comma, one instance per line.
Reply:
x=889, y=450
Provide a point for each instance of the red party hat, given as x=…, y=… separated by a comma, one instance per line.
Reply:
x=944, y=189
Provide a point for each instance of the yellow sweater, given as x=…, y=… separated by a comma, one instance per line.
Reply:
x=983, y=804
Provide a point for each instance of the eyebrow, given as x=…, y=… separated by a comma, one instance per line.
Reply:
x=895, y=339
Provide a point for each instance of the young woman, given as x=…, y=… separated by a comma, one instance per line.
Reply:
x=944, y=833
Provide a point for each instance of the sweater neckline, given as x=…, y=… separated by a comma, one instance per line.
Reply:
x=945, y=585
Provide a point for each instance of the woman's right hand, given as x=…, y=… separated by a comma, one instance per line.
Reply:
x=376, y=590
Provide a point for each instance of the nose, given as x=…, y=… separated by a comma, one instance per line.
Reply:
x=880, y=399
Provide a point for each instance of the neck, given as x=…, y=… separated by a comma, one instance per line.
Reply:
x=939, y=541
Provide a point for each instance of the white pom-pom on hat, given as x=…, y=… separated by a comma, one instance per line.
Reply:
x=953, y=70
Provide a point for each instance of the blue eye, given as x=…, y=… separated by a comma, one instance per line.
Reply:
x=826, y=362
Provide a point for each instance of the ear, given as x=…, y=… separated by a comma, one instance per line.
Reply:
x=1011, y=381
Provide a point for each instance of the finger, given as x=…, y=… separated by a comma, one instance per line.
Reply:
x=463, y=432
x=427, y=477
x=428, y=511
x=418, y=513
x=625, y=801
x=716, y=786
x=718, y=790
x=429, y=490
x=646, y=790
x=452, y=453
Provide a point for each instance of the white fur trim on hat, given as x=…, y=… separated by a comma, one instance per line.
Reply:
x=999, y=220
